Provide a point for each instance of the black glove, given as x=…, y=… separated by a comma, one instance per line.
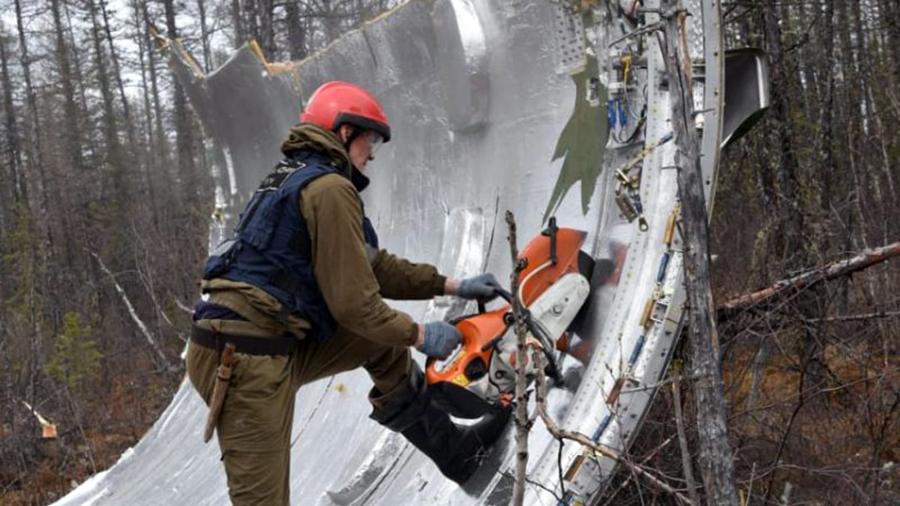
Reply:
x=441, y=339
x=482, y=287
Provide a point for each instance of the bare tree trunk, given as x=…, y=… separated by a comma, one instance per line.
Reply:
x=891, y=20
x=852, y=126
x=84, y=138
x=39, y=251
x=237, y=16
x=809, y=81
x=13, y=148
x=117, y=74
x=33, y=132
x=70, y=108
x=111, y=126
x=330, y=19
x=826, y=142
x=184, y=146
x=267, y=28
x=72, y=145
x=160, y=146
x=204, y=36
x=149, y=167
x=250, y=12
x=296, y=31
x=716, y=462
x=781, y=118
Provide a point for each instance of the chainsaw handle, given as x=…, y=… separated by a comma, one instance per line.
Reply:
x=505, y=295
x=430, y=371
x=432, y=374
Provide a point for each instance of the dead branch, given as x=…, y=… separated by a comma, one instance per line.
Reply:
x=134, y=316
x=148, y=285
x=523, y=425
x=845, y=267
x=559, y=433
x=854, y=317
x=182, y=306
x=682, y=436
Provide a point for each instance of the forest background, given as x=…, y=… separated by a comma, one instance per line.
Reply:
x=106, y=195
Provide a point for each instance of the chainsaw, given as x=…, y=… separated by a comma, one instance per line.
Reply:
x=480, y=375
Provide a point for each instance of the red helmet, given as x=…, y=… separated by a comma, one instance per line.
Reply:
x=338, y=103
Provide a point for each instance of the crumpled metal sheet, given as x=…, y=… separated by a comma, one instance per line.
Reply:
x=490, y=110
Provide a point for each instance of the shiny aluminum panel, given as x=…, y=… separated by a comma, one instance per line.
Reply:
x=490, y=111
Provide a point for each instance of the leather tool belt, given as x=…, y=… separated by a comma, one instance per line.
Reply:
x=251, y=345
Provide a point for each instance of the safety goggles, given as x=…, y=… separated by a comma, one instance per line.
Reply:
x=375, y=140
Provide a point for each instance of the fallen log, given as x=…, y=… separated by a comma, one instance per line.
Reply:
x=847, y=266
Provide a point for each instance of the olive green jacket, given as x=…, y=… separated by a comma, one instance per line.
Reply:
x=353, y=277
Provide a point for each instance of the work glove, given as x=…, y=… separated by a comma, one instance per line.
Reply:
x=441, y=339
x=482, y=287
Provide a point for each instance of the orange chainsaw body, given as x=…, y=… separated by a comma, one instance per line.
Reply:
x=568, y=244
x=481, y=331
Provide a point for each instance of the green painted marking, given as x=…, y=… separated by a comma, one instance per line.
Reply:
x=582, y=142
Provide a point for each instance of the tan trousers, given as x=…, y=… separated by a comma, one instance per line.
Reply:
x=254, y=427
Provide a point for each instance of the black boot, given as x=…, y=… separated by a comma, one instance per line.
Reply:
x=457, y=450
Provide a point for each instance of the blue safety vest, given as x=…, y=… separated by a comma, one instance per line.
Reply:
x=271, y=246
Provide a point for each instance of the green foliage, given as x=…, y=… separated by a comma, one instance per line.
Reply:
x=75, y=357
x=17, y=256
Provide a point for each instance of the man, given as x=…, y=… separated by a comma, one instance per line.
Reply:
x=298, y=292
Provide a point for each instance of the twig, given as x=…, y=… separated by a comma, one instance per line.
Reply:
x=750, y=484
x=523, y=425
x=801, y=401
x=559, y=466
x=559, y=433
x=627, y=481
x=682, y=436
x=537, y=484
x=76, y=414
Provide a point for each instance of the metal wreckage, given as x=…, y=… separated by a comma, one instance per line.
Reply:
x=559, y=114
